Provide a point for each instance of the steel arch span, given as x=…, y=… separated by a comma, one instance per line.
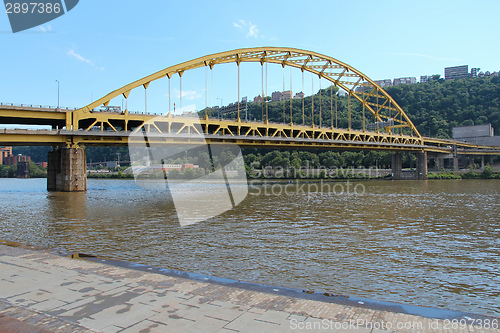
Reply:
x=369, y=94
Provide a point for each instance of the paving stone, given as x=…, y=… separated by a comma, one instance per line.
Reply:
x=47, y=305
x=146, y=326
x=67, y=295
x=247, y=321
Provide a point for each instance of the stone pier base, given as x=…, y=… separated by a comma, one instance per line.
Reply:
x=422, y=166
x=67, y=170
x=397, y=166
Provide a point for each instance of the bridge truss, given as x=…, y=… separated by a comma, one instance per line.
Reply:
x=78, y=127
x=373, y=99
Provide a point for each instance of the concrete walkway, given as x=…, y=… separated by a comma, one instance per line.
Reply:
x=41, y=291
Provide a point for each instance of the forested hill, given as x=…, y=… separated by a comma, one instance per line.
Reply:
x=437, y=106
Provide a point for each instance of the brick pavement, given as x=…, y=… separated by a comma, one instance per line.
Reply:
x=44, y=292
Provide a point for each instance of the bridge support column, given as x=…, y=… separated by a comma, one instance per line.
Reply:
x=67, y=170
x=397, y=166
x=482, y=162
x=23, y=169
x=422, y=166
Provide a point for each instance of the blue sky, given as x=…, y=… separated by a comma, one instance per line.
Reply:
x=100, y=46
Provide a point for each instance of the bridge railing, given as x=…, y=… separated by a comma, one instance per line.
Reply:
x=37, y=106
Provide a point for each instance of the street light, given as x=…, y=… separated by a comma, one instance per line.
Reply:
x=58, y=94
x=220, y=107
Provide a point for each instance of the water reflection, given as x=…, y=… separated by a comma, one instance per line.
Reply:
x=434, y=243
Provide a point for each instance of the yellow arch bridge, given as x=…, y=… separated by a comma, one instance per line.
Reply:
x=386, y=126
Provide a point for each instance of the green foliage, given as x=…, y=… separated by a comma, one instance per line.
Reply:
x=444, y=175
x=37, y=171
x=487, y=173
x=437, y=106
x=37, y=153
x=8, y=171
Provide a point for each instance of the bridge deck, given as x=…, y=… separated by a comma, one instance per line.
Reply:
x=114, y=128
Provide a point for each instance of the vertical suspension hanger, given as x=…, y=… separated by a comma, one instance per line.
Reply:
x=331, y=100
x=312, y=99
x=364, y=121
x=331, y=105
x=267, y=108
x=349, y=110
x=291, y=98
x=180, y=92
x=320, y=120
x=238, y=64
x=303, y=95
x=283, y=94
x=262, y=86
x=211, y=89
x=336, y=111
x=206, y=90
x=146, y=85
x=169, y=102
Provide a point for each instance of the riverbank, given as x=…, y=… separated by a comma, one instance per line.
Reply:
x=487, y=173
x=43, y=289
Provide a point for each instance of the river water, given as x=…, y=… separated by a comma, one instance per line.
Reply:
x=430, y=243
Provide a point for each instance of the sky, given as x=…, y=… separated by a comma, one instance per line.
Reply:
x=100, y=46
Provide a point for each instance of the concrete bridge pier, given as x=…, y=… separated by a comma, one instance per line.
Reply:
x=67, y=170
x=419, y=174
x=422, y=165
x=397, y=166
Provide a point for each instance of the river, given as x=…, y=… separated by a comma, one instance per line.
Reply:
x=429, y=243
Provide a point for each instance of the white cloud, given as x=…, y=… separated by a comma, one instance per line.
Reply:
x=79, y=57
x=188, y=94
x=46, y=28
x=248, y=27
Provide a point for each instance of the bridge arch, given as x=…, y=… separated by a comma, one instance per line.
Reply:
x=371, y=96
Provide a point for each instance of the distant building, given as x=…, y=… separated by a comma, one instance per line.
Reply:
x=257, y=99
x=474, y=72
x=404, y=80
x=287, y=95
x=457, y=72
x=276, y=96
x=5, y=152
x=299, y=95
x=477, y=134
x=233, y=107
x=384, y=83
x=7, y=158
x=425, y=78
x=180, y=167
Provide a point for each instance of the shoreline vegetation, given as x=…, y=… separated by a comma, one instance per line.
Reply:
x=487, y=173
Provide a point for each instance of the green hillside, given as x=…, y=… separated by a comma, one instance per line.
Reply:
x=436, y=107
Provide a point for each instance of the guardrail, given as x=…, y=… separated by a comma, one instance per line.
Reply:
x=37, y=106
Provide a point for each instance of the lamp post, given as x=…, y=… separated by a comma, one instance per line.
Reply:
x=220, y=107
x=58, y=93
